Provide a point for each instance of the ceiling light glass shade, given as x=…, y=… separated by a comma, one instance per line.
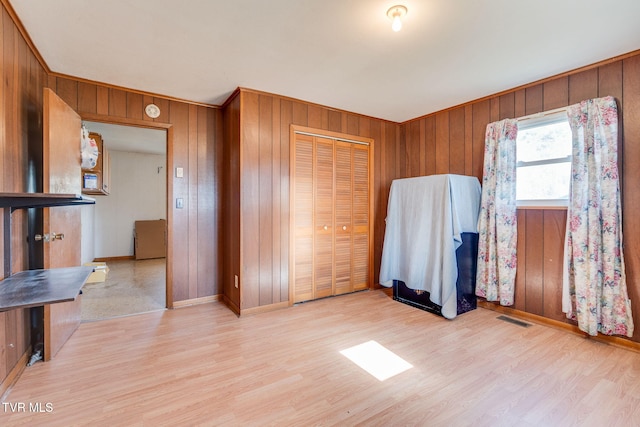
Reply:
x=397, y=24
x=395, y=13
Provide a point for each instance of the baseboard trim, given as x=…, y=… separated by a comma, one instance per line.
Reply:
x=620, y=342
x=14, y=374
x=115, y=258
x=264, y=308
x=196, y=301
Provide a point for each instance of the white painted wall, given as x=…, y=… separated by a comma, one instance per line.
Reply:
x=87, y=215
x=138, y=192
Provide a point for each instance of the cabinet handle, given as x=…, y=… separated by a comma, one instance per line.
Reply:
x=55, y=236
x=344, y=228
x=325, y=227
x=40, y=237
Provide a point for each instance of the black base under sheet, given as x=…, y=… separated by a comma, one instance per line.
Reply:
x=466, y=256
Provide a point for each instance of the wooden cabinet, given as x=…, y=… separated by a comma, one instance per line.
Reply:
x=331, y=211
x=97, y=179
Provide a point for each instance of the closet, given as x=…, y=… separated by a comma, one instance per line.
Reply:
x=331, y=215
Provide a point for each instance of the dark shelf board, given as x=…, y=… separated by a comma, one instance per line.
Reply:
x=41, y=200
x=34, y=288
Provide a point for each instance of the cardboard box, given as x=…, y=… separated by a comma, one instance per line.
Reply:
x=150, y=239
x=100, y=272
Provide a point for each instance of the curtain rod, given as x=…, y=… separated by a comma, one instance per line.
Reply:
x=542, y=114
x=335, y=138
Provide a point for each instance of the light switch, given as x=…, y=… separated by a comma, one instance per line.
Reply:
x=179, y=203
x=179, y=172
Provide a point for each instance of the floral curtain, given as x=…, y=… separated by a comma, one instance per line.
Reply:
x=594, y=286
x=497, y=224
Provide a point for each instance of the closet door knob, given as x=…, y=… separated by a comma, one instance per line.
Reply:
x=344, y=227
x=325, y=227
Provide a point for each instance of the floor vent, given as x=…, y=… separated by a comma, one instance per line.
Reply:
x=514, y=321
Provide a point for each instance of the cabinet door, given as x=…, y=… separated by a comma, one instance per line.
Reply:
x=106, y=170
x=323, y=218
x=361, y=220
x=343, y=217
x=303, y=218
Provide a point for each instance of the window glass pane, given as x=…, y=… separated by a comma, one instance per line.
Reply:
x=544, y=142
x=543, y=182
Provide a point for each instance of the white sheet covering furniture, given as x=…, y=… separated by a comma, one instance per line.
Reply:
x=425, y=217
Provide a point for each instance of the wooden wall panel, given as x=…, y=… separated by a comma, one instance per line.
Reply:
x=87, y=98
x=353, y=124
x=456, y=141
x=631, y=181
x=583, y=85
x=68, y=91
x=230, y=193
x=541, y=232
x=430, y=144
x=610, y=80
x=265, y=121
x=195, y=269
x=534, y=261
x=276, y=217
x=300, y=114
x=507, y=106
x=442, y=142
x=554, y=226
x=556, y=94
x=468, y=140
x=519, y=103
x=267, y=162
x=412, y=132
x=250, y=197
x=494, y=109
x=118, y=103
x=380, y=195
x=520, y=292
x=182, y=285
x=135, y=106
x=285, y=115
x=481, y=118
x=533, y=97
x=23, y=80
x=315, y=115
x=102, y=100
x=192, y=201
x=209, y=202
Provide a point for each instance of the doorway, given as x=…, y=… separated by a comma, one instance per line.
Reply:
x=137, y=192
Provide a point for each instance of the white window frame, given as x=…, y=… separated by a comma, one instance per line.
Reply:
x=537, y=120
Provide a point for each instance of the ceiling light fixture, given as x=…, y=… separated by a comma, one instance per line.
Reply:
x=395, y=13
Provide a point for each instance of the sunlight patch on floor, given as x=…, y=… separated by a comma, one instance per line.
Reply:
x=376, y=360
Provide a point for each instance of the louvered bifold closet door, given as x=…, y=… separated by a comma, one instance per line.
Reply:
x=323, y=218
x=361, y=217
x=343, y=218
x=303, y=189
x=331, y=233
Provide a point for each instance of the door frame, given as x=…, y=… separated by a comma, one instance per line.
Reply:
x=122, y=121
x=322, y=133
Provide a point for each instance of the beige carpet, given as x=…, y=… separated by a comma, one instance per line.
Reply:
x=131, y=287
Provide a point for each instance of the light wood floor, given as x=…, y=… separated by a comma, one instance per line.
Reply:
x=202, y=365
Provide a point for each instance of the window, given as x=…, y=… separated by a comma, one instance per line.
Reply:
x=543, y=168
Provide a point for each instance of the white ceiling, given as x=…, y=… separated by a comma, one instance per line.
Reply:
x=338, y=53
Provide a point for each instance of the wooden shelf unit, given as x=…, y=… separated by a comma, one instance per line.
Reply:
x=101, y=170
x=12, y=201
